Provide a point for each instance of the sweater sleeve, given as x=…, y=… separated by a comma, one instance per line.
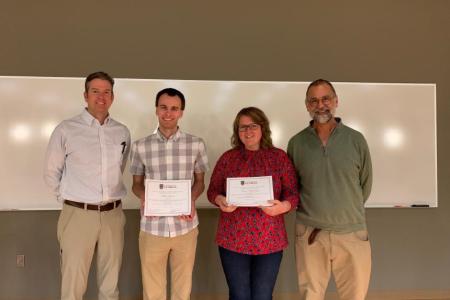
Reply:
x=289, y=189
x=218, y=178
x=365, y=174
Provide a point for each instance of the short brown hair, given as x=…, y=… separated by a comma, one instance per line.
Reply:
x=98, y=75
x=257, y=116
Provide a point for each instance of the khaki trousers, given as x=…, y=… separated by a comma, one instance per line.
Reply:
x=79, y=232
x=155, y=251
x=346, y=256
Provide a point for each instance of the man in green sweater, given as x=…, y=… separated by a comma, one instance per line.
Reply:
x=335, y=178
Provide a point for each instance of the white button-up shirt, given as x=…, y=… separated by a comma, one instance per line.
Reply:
x=85, y=160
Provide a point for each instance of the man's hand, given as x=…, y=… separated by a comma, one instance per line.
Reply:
x=191, y=216
x=142, y=211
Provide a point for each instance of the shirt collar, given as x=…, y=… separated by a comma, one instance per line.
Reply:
x=338, y=124
x=174, y=137
x=90, y=120
x=246, y=154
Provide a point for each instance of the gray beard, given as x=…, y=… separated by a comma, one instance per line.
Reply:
x=321, y=118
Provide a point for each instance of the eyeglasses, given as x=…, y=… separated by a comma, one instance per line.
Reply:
x=326, y=100
x=252, y=127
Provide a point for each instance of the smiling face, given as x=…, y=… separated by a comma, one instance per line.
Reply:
x=169, y=112
x=249, y=133
x=99, y=97
x=321, y=103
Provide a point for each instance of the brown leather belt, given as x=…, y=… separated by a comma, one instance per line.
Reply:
x=105, y=207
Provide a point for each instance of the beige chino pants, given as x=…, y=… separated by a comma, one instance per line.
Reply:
x=79, y=232
x=346, y=256
x=155, y=251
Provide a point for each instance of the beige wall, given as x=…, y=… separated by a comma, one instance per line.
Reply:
x=376, y=41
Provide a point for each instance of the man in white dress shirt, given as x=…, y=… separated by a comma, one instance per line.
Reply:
x=85, y=159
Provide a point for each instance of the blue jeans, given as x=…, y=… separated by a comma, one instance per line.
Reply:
x=250, y=277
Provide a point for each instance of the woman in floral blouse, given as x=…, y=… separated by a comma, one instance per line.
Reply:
x=251, y=239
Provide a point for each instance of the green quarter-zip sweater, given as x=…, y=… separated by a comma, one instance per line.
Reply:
x=334, y=180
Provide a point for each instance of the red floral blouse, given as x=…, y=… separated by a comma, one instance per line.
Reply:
x=249, y=230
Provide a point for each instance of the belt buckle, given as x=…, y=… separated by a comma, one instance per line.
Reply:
x=100, y=205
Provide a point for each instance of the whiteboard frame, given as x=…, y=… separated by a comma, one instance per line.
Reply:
x=149, y=109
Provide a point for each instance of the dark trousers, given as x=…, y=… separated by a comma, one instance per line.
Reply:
x=250, y=277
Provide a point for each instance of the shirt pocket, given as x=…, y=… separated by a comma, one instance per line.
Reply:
x=301, y=231
x=361, y=235
x=115, y=153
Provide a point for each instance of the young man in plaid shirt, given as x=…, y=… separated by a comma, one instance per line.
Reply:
x=168, y=154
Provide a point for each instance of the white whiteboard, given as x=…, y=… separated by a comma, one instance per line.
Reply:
x=398, y=121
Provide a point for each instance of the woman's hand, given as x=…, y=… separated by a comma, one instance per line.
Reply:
x=278, y=207
x=223, y=205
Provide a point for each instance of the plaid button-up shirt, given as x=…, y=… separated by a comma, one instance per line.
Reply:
x=178, y=157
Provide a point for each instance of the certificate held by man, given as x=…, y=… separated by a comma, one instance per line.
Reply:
x=167, y=197
x=249, y=191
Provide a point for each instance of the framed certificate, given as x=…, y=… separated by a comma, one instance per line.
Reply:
x=167, y=197
x=250, y=191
